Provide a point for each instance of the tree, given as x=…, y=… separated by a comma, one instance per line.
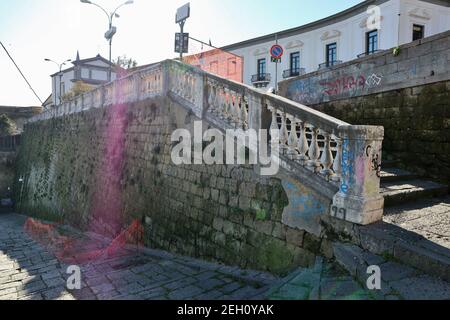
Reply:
x=7, y=126
x=78, y=89
x=125, y=63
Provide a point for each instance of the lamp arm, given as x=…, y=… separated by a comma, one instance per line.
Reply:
x=107, y=14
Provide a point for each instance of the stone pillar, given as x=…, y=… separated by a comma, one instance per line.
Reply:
x=359, y=199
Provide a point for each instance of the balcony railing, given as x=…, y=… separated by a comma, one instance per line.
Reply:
x=293, y=72
x=261, y=78
x=329, y=64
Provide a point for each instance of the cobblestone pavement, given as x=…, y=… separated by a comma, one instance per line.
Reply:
x=28, y=271
x=429, y=218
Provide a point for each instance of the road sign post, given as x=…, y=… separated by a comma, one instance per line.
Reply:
x=276, y=53
x=181, y=42
x=183, y=13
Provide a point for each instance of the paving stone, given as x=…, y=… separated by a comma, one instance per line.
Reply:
x=422, y=288
x=391, y=271
x=184, y=293
x=334, y=289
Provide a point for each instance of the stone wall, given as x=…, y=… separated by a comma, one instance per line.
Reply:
x=101, y=168
x=407, y=94
x=6, y=173
x=418, y=63
x=416, y=122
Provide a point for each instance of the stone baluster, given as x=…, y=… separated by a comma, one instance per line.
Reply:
x=211, y=98
x=188, y=86
x=284, y=133
x=314, y=151
x=244, y=113
x=193, y=85
x=293, y=139
x=226, y=106
x=327, y=156
x=302, y=144
x=236, y=109
x=274, y=123
x=218, y=101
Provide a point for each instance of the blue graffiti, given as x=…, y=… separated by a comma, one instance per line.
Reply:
x=305, y=206
x=347, y=167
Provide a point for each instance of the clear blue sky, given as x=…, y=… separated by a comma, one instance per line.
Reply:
x=33, y=30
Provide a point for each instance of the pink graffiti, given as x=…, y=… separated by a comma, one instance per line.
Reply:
x=343, y=85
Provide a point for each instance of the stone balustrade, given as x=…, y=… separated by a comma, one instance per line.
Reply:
x=341, y=156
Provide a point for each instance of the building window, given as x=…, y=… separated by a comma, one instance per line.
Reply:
x=418, y=32
x=371, y=41
x=232, y=66
x=63, y=88
x=90, y=74
x=261, y=69
x=331, y=54
x=295, y=64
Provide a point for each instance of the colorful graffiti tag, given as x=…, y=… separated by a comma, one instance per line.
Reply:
x=347, y=167
x=343, y=85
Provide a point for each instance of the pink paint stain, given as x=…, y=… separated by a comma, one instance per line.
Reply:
x=107, y=206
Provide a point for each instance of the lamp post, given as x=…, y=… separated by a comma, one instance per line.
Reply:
x=112, y=30
x=60, y=65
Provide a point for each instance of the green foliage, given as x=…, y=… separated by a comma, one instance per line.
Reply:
x=7, y=126
x=125, y=63
x=78, y=89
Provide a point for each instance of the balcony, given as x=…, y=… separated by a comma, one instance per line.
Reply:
x=261, y=79
x=329, y=64
x=293, y=72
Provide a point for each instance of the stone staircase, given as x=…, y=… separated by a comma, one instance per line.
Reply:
x=412, y=197
x=399, y=186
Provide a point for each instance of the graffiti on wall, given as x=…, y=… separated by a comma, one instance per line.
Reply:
x=303, y=91
x=350, y=83
x=375, y=160
x=347, y=167
x=312, y=91
x=342, y=85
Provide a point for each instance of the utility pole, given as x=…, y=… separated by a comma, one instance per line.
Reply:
x=182, y=39
x=276, y=68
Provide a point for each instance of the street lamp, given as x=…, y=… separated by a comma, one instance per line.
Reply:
x=112, y=30
x=60, y=65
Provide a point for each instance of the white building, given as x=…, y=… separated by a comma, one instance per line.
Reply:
x=93, y=71
x=362, y=29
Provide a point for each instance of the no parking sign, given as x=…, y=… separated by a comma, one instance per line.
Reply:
x=276, y=52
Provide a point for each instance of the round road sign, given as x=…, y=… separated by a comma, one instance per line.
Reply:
x=276, y=51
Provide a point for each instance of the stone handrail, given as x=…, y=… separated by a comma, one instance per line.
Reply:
x=342, y=156
x=345, y=156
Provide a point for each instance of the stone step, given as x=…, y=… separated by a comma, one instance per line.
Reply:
x=397, y=192
x=400, y=275
x=395, y=174
x=407, y=247
x=390, y=163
